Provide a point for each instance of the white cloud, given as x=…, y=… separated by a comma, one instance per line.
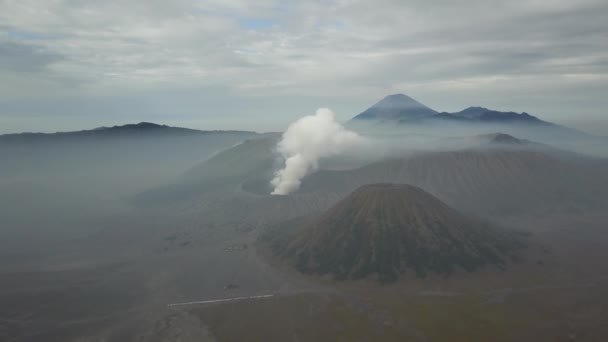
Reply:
x=344, y=48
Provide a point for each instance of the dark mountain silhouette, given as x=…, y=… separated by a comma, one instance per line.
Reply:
x=402, y=108
x=391, y=229
x=484, y=115
x=143, y=129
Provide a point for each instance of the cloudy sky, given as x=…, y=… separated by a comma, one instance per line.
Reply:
x=72, y=64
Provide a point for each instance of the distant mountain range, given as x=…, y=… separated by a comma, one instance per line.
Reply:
x=401, y=108
x=392, y=109
x=115, y=160
x=495, y=174
x=142, y=129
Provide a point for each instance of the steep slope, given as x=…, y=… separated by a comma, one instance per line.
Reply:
x=389, y=229
x=233, y=187
x=222, y=174
x=249, y=159
x=396, y=107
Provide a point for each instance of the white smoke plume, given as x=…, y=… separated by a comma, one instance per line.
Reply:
x=306, y=141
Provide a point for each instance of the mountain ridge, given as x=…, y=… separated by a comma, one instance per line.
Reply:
x=139, y=129
x=401, y=108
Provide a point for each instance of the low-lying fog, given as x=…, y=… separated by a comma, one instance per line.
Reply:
x=56, y=191
x=66, y=188
x=104, y=225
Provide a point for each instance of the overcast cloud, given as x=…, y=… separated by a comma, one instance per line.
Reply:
x=70, y=64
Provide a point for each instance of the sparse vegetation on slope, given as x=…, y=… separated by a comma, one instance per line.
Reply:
x=386, y=230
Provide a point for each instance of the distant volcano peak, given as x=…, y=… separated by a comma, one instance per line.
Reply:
x=401, y=108
x=398, y=101
x=396, y=107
